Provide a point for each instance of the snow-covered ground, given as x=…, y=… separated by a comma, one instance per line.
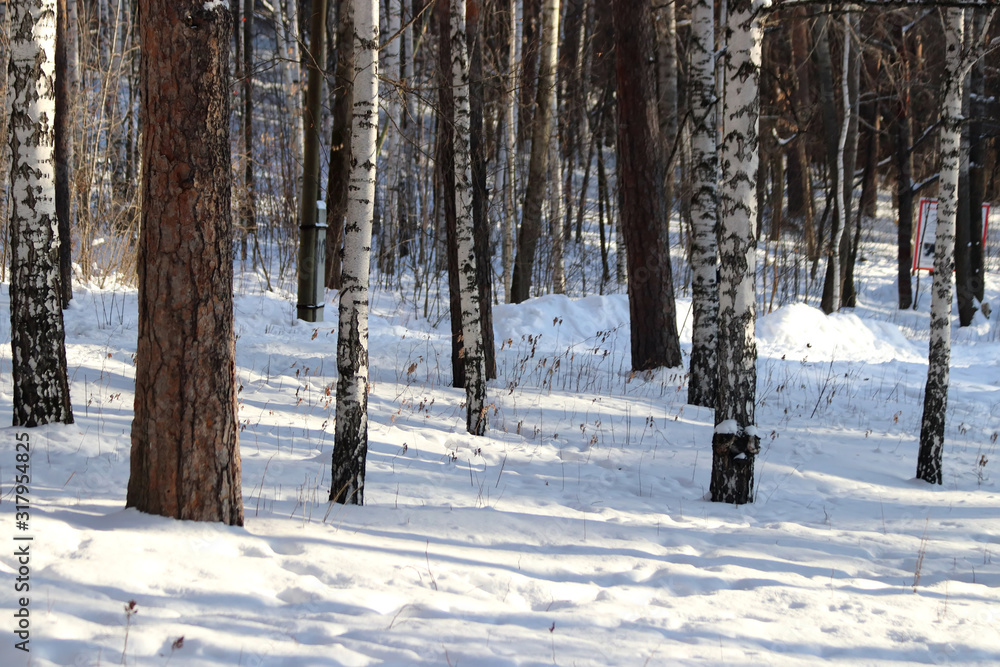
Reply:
x=576, y=533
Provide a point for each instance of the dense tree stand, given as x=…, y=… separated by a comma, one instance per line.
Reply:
x=185, y=443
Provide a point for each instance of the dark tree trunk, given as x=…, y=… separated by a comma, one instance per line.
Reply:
x=63, y=154
x=977, y=171
x=904, y=198
x=653, y=316
x=340, y=143
x=185, y=442
x=248, y=213
x=480, y=201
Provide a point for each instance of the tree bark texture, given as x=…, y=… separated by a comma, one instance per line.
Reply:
x=932, y=424
x=704, y=208
x=735, y=442
x=655, y=341
x=350, y=450
x=480, y=195
x=41, y=387
x=185, y=442
x=541, y=124
x=65, y=100
x=472, y=340
x=340, y=143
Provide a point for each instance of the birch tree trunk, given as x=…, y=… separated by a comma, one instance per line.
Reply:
x=704, y=207
x=845, y=182
x=350, y=449
x=936, y=389
x=41, y=387
x=735, y=442
x=510, y=155
x=541, y=122
x=475, y=372
x=185, y=441
x=293, y=75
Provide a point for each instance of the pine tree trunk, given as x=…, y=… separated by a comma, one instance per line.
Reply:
x=735, y=442
x=800, y=204
x=655, y=340
x=248, y=216
x=41, y=387
x=904, y=197
x=63, y=155
x=350, y=449
x=480, y=196
x=340, y=144
x=667, y=99
x=407, y=203
x=963, y=226
x=531, y=221
x=939, y=357
x=977, y=163
x=704, y=207
x=185, y=440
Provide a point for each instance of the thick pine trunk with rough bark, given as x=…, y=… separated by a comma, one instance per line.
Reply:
x=541, y=123
x=472, y=341
x=185, y=442
x=350, y=449
x=936, y=389
x=704, y=208
x=653, y=317
x=735, y=442
x=41, y=387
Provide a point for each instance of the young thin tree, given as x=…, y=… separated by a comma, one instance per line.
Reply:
x=735, y=442
x=472, y=339
x=704, y=207
x=541, y=124
x=957, y=64
x=185, y=442
x=65, y=95
x=653, y=317
x=41, y=386
x=350, y=449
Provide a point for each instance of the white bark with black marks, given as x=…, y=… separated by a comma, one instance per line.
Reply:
x=936, y=390
x=472, y=342
x=735, y=442
x=704, y=208
x=41, y=387
x=350, y=449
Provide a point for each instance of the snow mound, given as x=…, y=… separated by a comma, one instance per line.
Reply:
x=802, y=331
